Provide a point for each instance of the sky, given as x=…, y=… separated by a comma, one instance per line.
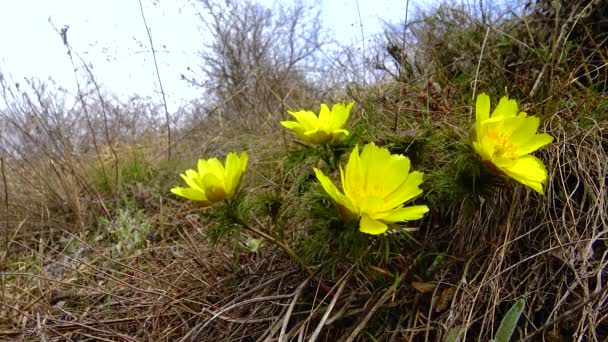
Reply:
x=110, y=35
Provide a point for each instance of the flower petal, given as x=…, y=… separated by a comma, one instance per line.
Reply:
x=307, y=119
x=386, y=172
x=217, y=169
x=529, y=171
x=234, y=171
x=293, y=125
x=192, y=178
x=536, y=142
x=409, y=189
x=317, y=137
x=482, y=111
x=189, y=193
x=410, y=213
x=324, y=121
x=298, y=129
x=244, y=160
x=506, y=107
x=340, y=131
x=203, y=167
x=370, y=226
x=374, y=162
x=237, y=174
x=214, y=187
x=525, y=131
x=334, y=193
x=485, y=148
x=353, y=176
x=339, y=115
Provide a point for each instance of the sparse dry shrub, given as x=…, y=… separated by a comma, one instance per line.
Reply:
x=260, y=61
x=539, y=49
x=59, y=151
x=474, y=255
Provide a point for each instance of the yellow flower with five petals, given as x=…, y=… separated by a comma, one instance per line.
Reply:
x=213, y=182
x=324, y=129
x=376, y=184
x=505, y=139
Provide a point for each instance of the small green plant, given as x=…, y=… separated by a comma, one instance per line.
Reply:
x=128, y=230
x=505, y=330
x=509, y=322
x=253, y=245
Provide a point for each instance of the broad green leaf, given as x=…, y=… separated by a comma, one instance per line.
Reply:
x=509, y=322
x=454, y=334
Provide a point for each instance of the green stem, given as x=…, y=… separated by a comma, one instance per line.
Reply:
x=270, y=238
x=277, y=242
x=329, y=158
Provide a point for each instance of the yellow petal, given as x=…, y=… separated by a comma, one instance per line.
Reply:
x=353, y=176
x=340, y=114
x=298, y=129
x=486, y=146
x=536, y=142
x=409, y=189
x=482, y=111
x=244, y=160
x=506, y=107
x=371, y=205
x=386, y=172
x=324, y=117
x=370, y=226
x=495, y=123
x=190, y=194
x=525, y=131
x=529, y=171
x=307, y=119
x=334, y=193
x=293, y=125
x=217, y=168
x=214, y=188
x=192, y=179
x=511, y=124
x=340, y=131
x=317, y=137
x=410, y=213
x=233, y=168
x=236, y=173
x=374, y=162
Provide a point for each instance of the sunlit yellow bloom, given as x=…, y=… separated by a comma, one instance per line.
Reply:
x=505, y=139
x=376, y=184
x=213, y=182
x=323, y=129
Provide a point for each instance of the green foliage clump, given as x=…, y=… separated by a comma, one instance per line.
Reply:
x=463, y=182
x=128, y=231
x=332, y=242
x=226, y=218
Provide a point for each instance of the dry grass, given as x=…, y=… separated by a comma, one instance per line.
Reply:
x=89, y=255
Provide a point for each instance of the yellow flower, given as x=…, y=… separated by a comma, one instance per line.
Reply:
x=213, y=182
x=505, y=139
x=323, y=129
x=376, y=184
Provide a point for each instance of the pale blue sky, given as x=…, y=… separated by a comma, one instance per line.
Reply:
x=111, y=36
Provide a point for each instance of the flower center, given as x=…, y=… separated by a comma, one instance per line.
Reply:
x=503, y=147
